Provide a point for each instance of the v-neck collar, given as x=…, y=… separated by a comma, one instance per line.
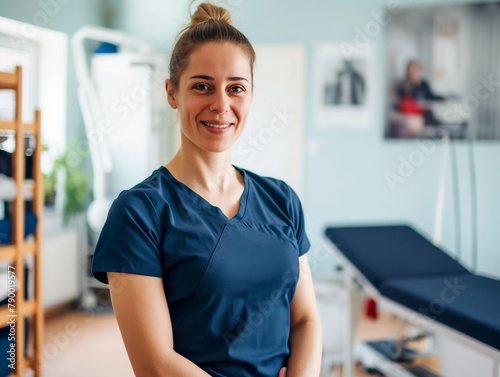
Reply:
x=205, y=204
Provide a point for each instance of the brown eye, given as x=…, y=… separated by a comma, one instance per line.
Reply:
x=201, y=87
x=237, y=89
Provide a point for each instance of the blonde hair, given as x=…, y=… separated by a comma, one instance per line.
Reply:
x=209, y=23
x=206, y=12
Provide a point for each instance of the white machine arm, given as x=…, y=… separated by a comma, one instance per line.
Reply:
x=92, y=110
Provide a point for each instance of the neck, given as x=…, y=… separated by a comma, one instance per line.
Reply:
x=200, y=169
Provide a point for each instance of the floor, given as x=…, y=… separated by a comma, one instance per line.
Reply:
x=83, y=345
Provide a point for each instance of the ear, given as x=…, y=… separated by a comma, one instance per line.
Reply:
x=169, y=88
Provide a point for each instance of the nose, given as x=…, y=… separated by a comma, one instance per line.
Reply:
x=220, y=103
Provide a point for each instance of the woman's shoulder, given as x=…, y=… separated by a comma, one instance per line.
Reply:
x=154, y=191
x=270, y=185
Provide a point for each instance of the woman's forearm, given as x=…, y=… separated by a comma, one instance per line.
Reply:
x=147, y=335
x=306, y=348
x=172, y=365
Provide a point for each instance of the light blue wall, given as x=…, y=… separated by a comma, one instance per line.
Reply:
x=345, y=181
x=157, y=20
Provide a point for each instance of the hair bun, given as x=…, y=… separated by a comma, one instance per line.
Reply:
x=206, y=12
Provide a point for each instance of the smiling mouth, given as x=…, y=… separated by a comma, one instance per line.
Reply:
x=218, y=126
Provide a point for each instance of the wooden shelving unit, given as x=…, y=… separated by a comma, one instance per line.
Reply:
x=26, y=358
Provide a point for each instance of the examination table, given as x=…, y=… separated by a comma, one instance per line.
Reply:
x=396, y=265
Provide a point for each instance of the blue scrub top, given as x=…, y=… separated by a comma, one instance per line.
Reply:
x=228, y=283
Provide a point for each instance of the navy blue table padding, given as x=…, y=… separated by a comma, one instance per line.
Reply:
x=408, y=269
x=6, y=228
x=385, y=252
x=468, y=303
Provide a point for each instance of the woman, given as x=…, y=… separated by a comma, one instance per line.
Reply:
x=414, y=93
x=203, y=258
x=415, y=86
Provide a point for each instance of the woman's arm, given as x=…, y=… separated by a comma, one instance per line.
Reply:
x=142, y=313
x=305, y=328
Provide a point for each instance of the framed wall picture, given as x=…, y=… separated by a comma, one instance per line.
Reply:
x=343, y=85
x=443, y=70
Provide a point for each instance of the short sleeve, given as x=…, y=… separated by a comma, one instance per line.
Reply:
x=129, y=241
x=297, y=215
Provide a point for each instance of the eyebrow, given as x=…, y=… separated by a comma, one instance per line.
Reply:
x=210, y=78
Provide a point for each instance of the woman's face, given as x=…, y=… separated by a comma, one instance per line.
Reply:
x=214, y=96
x=414, y=73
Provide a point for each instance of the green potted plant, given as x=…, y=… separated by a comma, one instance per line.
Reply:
x=49, y=189
x=74, y=183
